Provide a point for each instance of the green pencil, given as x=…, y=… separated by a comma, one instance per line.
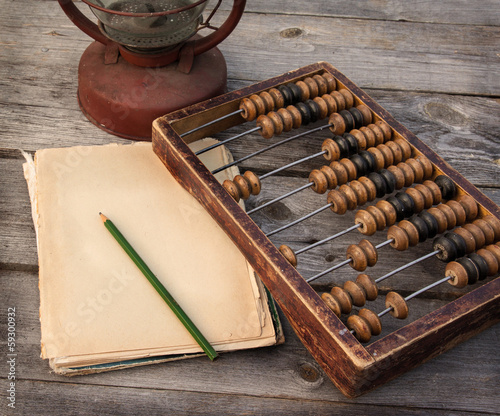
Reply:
x=167, y=297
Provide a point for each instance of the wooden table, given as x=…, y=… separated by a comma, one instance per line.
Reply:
x=434, y=65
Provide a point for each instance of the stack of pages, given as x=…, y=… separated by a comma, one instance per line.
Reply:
x=97, y=310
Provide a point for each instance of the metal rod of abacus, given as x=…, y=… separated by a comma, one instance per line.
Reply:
x=308, y=185
x=206, y=149
x=305, y=217
x=211, y=122
x=332, y=237
x=343, y=263
x=272, y=146
x=405, y=266
x=418, y=292
x=289, y=165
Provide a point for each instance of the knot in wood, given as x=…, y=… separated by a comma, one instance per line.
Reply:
x=292, y=32
x=308, y=372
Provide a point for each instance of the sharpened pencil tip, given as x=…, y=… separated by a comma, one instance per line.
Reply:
x=103, y=217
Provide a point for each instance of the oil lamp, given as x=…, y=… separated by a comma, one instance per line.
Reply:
x=148, y=60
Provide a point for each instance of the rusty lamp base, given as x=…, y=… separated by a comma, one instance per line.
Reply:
x=124, y=99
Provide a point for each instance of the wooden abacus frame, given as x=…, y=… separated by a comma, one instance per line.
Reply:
x=353, y=368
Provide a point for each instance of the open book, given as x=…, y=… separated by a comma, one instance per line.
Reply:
x=97, y=310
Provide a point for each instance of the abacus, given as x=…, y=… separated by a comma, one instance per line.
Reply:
x=370, y=157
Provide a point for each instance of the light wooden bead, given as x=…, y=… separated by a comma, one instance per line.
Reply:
x=268, y=101
x=418, y=169
x=304, y=90
x=279, y=101
x=338, y=202
x=408, y=173
x=418, y=199
x=360, y=138
x=426, y=194
x=337, y=124
x=232, y=189
x=296, y=116
x=320, y=182
x=470, y=206
x=323, y=107
x=437, y=197
x=386, y=130
x=389, y=211
x=372, y=319
x=367, y=113
x=379, y=134
x=470, y=241
x=360, y=191
x=426, y=166
x=405, y=147
x=387, y=153
x=367, y=221
x=368, y=285
x=459, y=212
x=457, y=274
x=312, y=86
x=358, y=257
x=287, y=119
x=398, y=174
x=490, y=260
x=440, y=218
x=360, y=327
x=277, y=122
x=348, y=98
x=330, y=103
x=340, y=100
x=330, y=81
x=371, y=190
x=378, y=156
x=332, y=150
x=332, y=303
x=477, y=233
x=322, y=84
x=488, y=232
x=249, y=110
x=379, y=216
x=495, y=250
x=253, y=181
x=340, y=172
x=343, y=298
x=451, y=219
x=356, y=292
x=370, y=251
x=399, y=236
x=350, y=196
x=350, y=168
x=259, y=104
x=411, y=232
x=399, y=306
x=243, y=185
x=266, y=125
x=495, y=225
x=331, y=177
x=288, y=254
x=397, y=153
x=369, y=135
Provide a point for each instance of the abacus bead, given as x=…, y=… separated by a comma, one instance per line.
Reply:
x=331, y=104
x=348, y=119
x=407, y=172
x=372, y=319
x=490, y=260
x=343, y=146
x=332, y=303
x=287, y=119
x=489, y=233
x=254, y=182
x=431, y=222
x=397, y=153
x=356, y=292
x=470, y=206
x=360, y=138
x=421, y=227
x=266, y=125
x=440, y=218
x=481, y=265
x=447, y=249
x=277, y=122
x=305, y=113
x=249, y=110
x=389, y=211
x=495, y=249
x=337, y=124
x=369, y=286
x=279, y=101
x=458, y=210
x=330, y=176
x=322, y=106
x=399, y=236
x=398, y=207
x=385, y=129
x=243, y=186
x=340, y=172
x=296, y=92
x=296, y=117
x=398, y=175
x=370, y=251
x=369, y=159
x=470, y=241
x=314, y=110
x=304, y=89
x=477, y=233
x=259, y=104
x=370, y=188
x=339, y=99
x=286, y=93
x=350, y=196
x=360, y=191
x=332, y=150
x=322, y=84
x=459, y=242
x=330, y=81
x=352, y=143
x=358, y=117
x=361, y=328
x=370, y=136
x=451, y=219
x=349, y=167
x=358, y=257
x=405, y=148
x=338, y=202
x=268, y=101
x=399, y=306
x=435, y=191
x=390, y=180
x=366, y=112
x=447, y=186
x=348, y=97
x=379, y=183
x=418, y=169
x=378, y=216
x=379, y=134
x=411, y=232
x=343, y=298
x=232, y=189
x=320, y=182
x=313, y=87
x=367, y=221
x=426, y=165
x=426, y=193
x=360, y=164
x=495, y=225
x=407, y=201
x=457, y=274
x=288, y=254
x=418, y=199
x=471, y=269
x=387, y=153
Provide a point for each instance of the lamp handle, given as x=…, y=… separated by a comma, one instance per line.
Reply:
x=82, y=22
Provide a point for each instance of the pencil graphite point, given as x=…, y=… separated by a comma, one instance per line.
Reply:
x=103, y=217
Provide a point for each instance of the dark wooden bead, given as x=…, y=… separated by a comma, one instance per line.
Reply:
x=314, y=110
x=352, y=142
x=343, y=146
x=431, y=222
x=459, y=242
x=408, y=203
x=421, y=226
x=305, y=113
x=360, y=163
x=481, y=265
x=379, y=183
x=398, y=206
x=358, y=117
x=348, y=118
x=471, y=268
x=447, y=186
x=390, y=180
x=447, y=249
x=296, y=92
x=287, y=94
x=369, y=159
